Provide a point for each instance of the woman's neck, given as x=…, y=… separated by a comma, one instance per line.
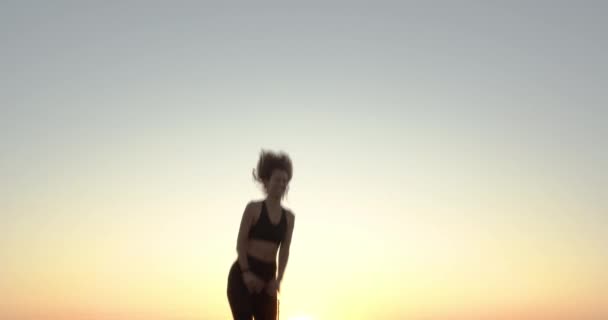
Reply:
x=272, y=201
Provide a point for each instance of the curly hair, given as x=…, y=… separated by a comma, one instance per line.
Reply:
x=270, y=161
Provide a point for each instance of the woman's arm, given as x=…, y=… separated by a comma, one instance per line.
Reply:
x=252, y=282
x=284, y=250
x=242, y=239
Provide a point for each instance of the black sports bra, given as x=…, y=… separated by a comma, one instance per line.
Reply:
x=263, y=229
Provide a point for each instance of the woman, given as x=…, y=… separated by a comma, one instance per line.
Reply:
x=266, y=228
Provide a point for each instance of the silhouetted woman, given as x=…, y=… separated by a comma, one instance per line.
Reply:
x=266, y=228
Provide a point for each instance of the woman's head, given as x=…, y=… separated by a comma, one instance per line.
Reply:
x=274, y=171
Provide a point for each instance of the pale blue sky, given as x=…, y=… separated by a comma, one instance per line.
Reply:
x=520, y=83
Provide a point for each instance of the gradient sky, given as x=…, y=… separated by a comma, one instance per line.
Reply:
x=450, y=160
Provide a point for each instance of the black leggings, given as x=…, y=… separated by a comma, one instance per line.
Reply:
x=245, y=305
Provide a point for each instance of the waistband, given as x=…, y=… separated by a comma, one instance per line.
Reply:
x=263, y=269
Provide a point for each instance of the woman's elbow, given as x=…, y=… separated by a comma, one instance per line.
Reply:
x=241, y=247
x=284, y=252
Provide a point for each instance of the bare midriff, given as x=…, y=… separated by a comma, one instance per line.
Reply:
x=262, y=249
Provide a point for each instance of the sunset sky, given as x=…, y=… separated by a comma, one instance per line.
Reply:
x=450, y=159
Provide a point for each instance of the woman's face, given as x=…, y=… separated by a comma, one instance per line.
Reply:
x=277, y=184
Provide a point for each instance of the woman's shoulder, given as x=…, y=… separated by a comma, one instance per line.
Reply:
x=254, y=205
x=288, y=211
x=289, y=214
x=255, y=202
